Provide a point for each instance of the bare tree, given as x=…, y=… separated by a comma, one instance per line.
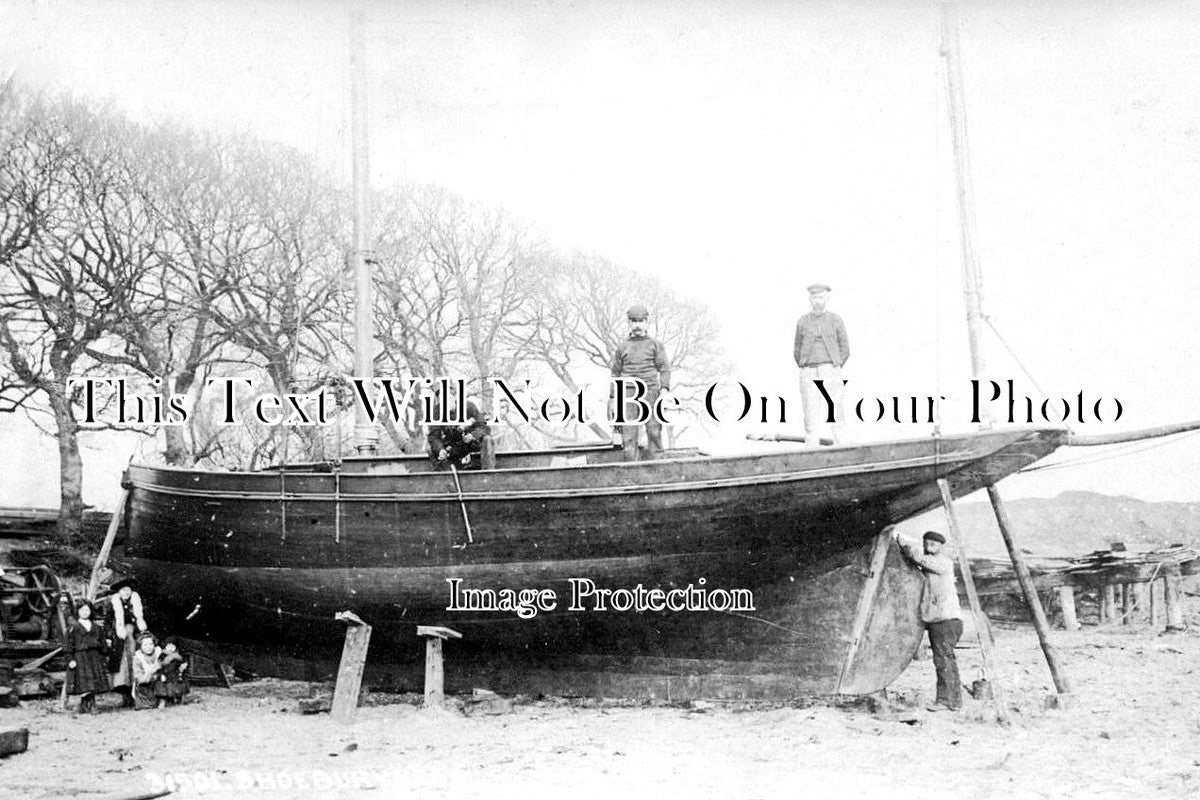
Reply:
x=70, y=198
x=580, y=319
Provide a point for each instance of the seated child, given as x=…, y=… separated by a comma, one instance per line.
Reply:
x=145, y=671
x=172, y=674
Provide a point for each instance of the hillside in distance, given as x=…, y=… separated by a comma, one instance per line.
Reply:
x=1071, y=524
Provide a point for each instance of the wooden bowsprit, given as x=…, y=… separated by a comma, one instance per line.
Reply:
x=350, y=671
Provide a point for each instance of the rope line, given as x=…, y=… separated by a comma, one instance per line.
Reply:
x=1121, y=452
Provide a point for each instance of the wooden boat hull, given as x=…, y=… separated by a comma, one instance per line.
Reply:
x=255, y=565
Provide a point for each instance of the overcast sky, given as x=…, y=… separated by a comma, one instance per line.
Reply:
x=744, y=150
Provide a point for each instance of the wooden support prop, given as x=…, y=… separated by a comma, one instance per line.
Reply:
x=1126, y=604
x=350, y=671
x=110, y=535
x=1141, y=600
x=866, y=600
x=435, y=675
x=1108, y=604
x=1066, y=601
x=986, y=642
x=1172, y=598
x=1061, y=682
x=1155, y=603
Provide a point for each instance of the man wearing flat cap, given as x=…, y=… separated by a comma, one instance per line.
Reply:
x=821, y=350
x=645, y=359
x=940, y=613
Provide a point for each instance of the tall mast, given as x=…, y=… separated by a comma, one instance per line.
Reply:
x=366, y=437
x=966, y=199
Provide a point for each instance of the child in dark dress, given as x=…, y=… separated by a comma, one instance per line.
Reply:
x=172, y=674
x=87, y=663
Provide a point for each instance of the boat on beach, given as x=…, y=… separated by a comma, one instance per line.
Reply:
x=253, y=566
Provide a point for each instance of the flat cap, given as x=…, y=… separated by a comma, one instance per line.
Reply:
x=637, y=312
x=819, y=287
x=935, y=536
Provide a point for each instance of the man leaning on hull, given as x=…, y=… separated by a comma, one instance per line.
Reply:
x=821, y=350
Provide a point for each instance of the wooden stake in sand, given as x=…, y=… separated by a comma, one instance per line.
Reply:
x=983, y=630
x=1061, y=682
x=350, y=671
x=1172, y=596
x=435, y=677
x=1155, y=605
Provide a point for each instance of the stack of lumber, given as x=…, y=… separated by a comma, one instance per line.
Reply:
x=26, y=522
x=1118, y=565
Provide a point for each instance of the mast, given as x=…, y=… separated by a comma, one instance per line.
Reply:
x=966, y=199
x=366, y=437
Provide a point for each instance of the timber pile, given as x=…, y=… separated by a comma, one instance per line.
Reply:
x=19, y=523
x=995, y=576
x=1117, y=564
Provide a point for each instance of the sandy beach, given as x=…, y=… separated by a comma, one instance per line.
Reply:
x=1132, y=730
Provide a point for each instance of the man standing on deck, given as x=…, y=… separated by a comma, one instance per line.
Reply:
x=643, y=358
x=821, y=349
x=940, y=613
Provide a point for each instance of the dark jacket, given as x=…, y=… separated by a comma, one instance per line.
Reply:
x=821, y=339
x=643, y=358
x=452, y=438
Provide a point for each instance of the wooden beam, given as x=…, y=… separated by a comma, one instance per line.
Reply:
x=487, y=453
x=983, y=630
x=1172, y=599
x=1155, y=604
x=350, y=671
x=1061, y=682
x=1108, y=604
x=37, y=662
x=1127, y=603
x=866, y=600
x=110, y=535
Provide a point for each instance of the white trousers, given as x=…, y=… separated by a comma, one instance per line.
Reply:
x=816, y=407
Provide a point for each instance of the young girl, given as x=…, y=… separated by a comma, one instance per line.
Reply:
x=87, y=673
x=128, y=618
x=172, y=681
x=145, y=671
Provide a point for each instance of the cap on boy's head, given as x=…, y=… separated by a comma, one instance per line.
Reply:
x=934, y=536
x=637, y=313
x=819, y=287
